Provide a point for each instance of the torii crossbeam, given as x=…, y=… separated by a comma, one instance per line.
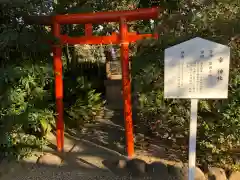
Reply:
x=123, y=38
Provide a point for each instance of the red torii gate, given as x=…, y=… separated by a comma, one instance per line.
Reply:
x=124, y=38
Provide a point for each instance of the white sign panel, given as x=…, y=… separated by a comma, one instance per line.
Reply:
x=196, y=69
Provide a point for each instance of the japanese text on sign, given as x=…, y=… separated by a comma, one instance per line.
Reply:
x=197, y=68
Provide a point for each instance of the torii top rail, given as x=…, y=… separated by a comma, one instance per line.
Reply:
x=124, y=38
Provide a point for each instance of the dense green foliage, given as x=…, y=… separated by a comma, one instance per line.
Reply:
x=219, y=120
x=26, y=104
x=27, y=107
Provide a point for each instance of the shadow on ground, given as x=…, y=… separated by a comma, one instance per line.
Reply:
x=86, y=160
x=82, y=160
x=109, y=131
x=30, y=171
x=86, y=150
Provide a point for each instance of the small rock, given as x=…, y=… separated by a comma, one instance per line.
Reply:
x=115, y=166
x=139, y=137
x=133, y=167
x=49, y=159
x=136, y=167
x=181, y=173
x=215, y=173
x=156, y=170
x=122, y=164
x=235, y=176
x=199, y=174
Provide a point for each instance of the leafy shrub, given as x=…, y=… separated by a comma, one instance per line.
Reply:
x=25, y=107
x=219, y=120
x=85, y=104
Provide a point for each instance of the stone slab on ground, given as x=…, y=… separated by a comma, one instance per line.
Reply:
x=50, y=159
x=235, y=176
x=216, y=173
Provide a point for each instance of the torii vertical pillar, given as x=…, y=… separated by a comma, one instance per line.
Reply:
x=126, y=86
x=58, y=74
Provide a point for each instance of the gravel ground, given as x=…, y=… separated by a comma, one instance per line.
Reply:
x=35, y=172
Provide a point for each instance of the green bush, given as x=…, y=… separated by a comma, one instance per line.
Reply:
x=27, y=105
x=219, y=120
x=84, y=103
x=26, y=113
